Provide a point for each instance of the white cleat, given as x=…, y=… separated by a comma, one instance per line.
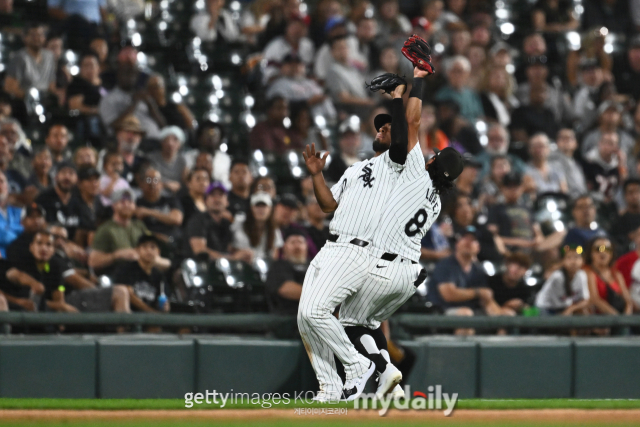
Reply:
x=397, y=392
x=388, y=380
x=353, y=388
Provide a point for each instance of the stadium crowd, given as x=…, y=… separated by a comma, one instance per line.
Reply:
x=128, y=143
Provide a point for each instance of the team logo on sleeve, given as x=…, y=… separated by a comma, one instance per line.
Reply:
x=367, y=179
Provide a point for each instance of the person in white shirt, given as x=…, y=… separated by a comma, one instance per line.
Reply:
x=215, y=24
x=566, y=291
x=209, y=139
x=294, y=40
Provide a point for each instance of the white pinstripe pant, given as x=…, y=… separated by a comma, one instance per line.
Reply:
x=336, y=273
x=389, y=284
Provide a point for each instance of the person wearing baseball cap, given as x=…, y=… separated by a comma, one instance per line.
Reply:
x=444, y=167
x=168, y=160
x=32, y=221
x=256, y=235
x=88, y=202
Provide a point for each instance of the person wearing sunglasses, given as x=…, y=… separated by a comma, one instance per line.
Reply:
x=607, y=288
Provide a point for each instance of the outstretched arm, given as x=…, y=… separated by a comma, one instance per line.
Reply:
x=315, y=163
x=398, y=148
x=414, y=107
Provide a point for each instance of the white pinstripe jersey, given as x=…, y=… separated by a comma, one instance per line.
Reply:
x=361, y=193
x=409, y=212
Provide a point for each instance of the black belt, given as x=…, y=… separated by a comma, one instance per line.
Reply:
x=390, y=257
x=334, y=238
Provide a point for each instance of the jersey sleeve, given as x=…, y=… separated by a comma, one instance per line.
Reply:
x=338, y=188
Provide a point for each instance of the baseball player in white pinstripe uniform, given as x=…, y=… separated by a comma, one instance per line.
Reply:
x=341, y=267
x=394, y=274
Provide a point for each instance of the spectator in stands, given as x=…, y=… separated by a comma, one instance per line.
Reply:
x=208, y=139
x=458, y=70
x=626, y=70
x=241, y=180
x=614, y=14
x=144, y=281
x=587, y=95
x=629, y=219
x=100, y=46
x=285, y=278
x=89, y=207
x=6, y=109
x=566, y=291
x=265, y=184
x=496, y=95
x=116, y=239
x=546, y=179
x=563, y=159
x=394, y=26
x=57, y=201
x=286, y=214
x=509, y=288
x=435, y=245
x=552, y=16
x=498, y=144
x=389, y=62
x=169, y=160
x=366, y=35
x=215, y=24
x=294, y=86
x=534, y=116
x=31, y=67
x=533, y=46
x=610, y=120
x=117, y=107
x=257, y=233
x=128, y=136
x=463, y=214
x=127, y=64
x=82, y=293
x=491, y=184
x=271, y=134
x=210, y=232
x=346, y=88
x=175, y=114
x=18, y=149
x=555, y=99
x=84, y=95
x=584, y=226
x=10, y=226
x=57, y=140
x=430, y=135
x=466, y=182
x=192, y=201
x=80, y=19
x=458, y=285
x=317, y=228
x=607, y=288
x=14, y=178
x=294, y=40
x=629, y=267
x=32, y=221
x=63, y=76
x=303, y=129
x=161, y=213
x=605, y=167
x=460, y=39
x=462, y=136
x=85, y=157
x=350, y=145
x=40, y=178
x=111, y=179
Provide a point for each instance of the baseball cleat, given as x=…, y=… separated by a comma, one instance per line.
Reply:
x=353, y=388
x=388, y=380
x=397, y=392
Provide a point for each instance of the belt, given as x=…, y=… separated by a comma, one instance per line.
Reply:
x=334, y=238
x=390, y=257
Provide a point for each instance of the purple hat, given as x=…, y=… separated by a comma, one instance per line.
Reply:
x=216, y=185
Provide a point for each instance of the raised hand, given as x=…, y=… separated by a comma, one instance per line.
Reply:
x=314, y=159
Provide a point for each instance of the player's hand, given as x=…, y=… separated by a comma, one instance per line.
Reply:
x=418, y=73
x=314, y=159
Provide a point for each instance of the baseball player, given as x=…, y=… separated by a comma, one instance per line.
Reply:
x=412, y=207
x=342, y=266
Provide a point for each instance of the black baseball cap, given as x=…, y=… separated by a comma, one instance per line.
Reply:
x=288, y=200
x=146, y=238
x=468, y=230
x=35, y=208
x=512, y=179
x=449, y=162
x=88, y=173
x=381, y=120
x=65, y=164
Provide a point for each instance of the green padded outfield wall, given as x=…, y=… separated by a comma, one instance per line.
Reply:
x=166, y=366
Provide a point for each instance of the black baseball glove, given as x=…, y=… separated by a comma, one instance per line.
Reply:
x=386, y=82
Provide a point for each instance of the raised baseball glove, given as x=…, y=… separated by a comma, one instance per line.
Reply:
x=418, y=51
x=386, y=82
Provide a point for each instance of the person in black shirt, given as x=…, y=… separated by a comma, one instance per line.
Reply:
x=318, y=229
x=89, y=207
x=509, y=288
x=210, y=231
x=57, y=201
x=241, y=180
x=18, y=290
x=32, y=221
x=84, y=95
x=285, y=278
x=144, y=281
x=192, y=200
x=173, y=113
x=161, y=214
